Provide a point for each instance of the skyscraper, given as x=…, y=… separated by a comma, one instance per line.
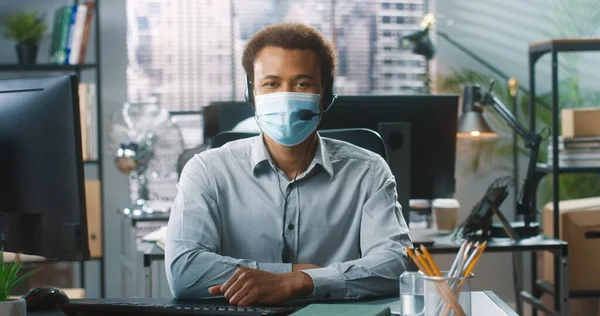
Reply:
x=396, y=71
x=193, y=52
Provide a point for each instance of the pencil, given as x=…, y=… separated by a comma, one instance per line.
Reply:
x=424, y=263
x=434, y=266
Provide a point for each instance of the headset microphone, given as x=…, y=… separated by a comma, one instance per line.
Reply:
x=307, y=115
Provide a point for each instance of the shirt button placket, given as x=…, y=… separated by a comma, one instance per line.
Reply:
x=291, y=229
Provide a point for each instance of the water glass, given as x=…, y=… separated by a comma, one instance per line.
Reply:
x=411, y=294
x=447, y=296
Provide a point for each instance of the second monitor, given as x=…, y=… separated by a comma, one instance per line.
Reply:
x=431, y=122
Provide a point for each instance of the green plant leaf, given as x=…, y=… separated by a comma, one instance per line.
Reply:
x=24, y=277
x=26, y=27
x=9, y=275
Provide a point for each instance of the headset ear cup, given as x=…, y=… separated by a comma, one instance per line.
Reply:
x=249, y=92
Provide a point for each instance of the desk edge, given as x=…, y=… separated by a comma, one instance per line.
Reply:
x=500, y=303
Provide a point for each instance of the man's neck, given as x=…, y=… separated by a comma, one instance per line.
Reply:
x=295, y=160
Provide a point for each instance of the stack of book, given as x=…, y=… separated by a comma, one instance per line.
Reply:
x=577, y=152
x=71, y=33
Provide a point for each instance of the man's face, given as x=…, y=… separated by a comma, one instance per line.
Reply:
x=286, y=70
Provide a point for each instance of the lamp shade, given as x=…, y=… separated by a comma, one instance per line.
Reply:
x=419, y=42
x=473, y=124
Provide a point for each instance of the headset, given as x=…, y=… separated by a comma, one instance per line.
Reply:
x=306, y=115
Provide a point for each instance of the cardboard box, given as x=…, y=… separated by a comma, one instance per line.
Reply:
x=580, y=122
x=580, y=227
x=577, y=306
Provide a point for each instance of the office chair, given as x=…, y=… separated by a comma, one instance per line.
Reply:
x=361, y=137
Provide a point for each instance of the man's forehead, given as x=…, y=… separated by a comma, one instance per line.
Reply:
x=275, y=61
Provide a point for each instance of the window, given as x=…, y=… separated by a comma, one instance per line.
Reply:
x=187, y=53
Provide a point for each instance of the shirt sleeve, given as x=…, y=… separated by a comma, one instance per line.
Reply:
x=192, y=259
x=383, y=236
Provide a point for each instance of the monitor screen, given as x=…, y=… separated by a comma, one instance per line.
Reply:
x=432, y=120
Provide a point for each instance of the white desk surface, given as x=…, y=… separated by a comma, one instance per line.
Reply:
x=482, y=303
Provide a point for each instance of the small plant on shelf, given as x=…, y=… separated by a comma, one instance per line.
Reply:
x=27, y=29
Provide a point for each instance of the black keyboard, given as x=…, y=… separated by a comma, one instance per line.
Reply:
x=93, y=308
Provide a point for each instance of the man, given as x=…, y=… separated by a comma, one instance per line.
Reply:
x=286, y=214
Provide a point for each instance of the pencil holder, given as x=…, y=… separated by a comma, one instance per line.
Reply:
x=445, y=295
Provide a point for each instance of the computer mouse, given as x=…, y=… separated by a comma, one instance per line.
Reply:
x=44, y=298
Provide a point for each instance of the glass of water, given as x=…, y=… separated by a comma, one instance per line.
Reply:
x=412, y=293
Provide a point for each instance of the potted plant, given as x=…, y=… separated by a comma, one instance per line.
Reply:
x=9, y=278
x=27, y=29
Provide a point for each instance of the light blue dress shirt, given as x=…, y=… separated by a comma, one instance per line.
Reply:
x=341, y=214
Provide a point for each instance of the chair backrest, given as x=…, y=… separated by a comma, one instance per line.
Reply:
x=361, y=137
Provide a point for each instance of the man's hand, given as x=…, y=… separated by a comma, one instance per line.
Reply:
x=250, y=286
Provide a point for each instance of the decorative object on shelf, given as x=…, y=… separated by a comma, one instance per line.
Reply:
x=27, y=29
x=473, y=103
x=139, y=133
x=10, y=277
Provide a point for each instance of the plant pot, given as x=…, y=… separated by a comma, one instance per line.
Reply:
x=26, y=53
x=13, y=308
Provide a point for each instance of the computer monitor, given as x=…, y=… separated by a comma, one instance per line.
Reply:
x=42, y=200
x=432, y=121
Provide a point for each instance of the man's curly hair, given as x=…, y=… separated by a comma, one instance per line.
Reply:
x=290, y=36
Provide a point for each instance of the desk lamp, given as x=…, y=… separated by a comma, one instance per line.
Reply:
x=473, y=124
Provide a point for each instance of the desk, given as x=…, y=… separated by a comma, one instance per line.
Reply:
x=482, y=303
x=445, y=244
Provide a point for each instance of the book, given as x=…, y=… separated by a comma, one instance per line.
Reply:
x=91, y=6
x=77, y=38
x=69, y=37
x=83, y=119
x=63, y=35
x=343, y=309
x=578, y=142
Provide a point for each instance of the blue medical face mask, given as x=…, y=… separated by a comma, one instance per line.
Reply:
x=277, y=116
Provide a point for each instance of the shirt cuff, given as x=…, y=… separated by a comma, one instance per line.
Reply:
x=328, y=283
x=275, y=267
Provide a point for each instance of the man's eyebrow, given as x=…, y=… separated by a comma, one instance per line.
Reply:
x=296, y=77
x=270, y=77
x=303, y=76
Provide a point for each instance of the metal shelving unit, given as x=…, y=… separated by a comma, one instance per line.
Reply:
x=536, y=51
x=77, y=70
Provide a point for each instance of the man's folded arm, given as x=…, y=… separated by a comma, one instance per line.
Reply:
x=193, y=238
x=383, y=236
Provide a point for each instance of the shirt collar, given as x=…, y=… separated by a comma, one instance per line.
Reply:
x=261, y=158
